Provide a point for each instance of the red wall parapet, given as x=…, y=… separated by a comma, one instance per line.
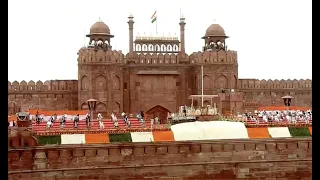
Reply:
x=166, y=159
x=50, y=85
x=274, y=84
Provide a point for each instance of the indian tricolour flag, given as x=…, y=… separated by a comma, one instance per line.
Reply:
x=154, y=17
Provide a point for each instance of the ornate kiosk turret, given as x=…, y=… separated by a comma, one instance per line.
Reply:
x=100, y=36
x=215, y=38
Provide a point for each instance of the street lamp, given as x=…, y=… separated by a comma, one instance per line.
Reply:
x=287, y=101
x=92, y=106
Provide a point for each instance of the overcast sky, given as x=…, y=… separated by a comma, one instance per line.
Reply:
x=272, y=37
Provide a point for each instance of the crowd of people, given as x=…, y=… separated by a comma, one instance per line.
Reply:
x=186, y=112
x=89, y=121
x=291, y=116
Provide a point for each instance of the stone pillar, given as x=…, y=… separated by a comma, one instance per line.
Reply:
x=130, y=22
x=182, y=42
x=40, y=160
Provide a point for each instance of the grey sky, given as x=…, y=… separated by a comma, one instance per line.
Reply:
x=273, y=38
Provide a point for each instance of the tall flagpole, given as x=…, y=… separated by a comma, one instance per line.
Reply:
x=201, y=85
x=157, y=22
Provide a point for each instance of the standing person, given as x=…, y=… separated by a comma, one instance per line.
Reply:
x=101, y=125
x=63, y=120
x=140, y=117
x=55, y=117
x=51, y=120
x=142, y=114
x=125, y=118
x=88, y=120
x=37, y=118
x=184, y=110
x=49, y=123
x=151, y=123
x=156, y=119
x=114, y=120
x=76, y=121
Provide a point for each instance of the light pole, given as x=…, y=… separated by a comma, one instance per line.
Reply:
x=92, y=106
x=287, y=101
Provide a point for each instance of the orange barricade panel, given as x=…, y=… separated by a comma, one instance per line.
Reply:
x=310, y=130
x=12, y=118
x=97, y=138
x=159, y=136
x=258, y=133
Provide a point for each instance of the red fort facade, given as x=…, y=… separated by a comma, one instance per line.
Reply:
x=156, y=76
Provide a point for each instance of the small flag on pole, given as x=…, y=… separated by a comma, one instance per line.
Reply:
x=154, y=17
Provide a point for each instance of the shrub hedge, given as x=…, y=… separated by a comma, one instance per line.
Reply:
x=44, y=140
x=122, y=138
x=299, y=132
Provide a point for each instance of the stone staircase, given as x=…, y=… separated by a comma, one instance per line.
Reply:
x=108, y=124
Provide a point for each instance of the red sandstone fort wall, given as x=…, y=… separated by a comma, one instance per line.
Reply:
x=106, y=76
x=50, y=95
x=224, y=159
x=269, y=92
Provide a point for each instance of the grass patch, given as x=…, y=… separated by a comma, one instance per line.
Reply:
x=44, y=140
x=123, y=138
x=299, y=132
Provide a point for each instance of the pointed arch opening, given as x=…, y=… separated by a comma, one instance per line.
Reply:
x=222, y=82
x=116, y=108
x=206, y=82
x=84, y=83
x=116, y=83
x=234, y=82
x=84, y=106
x=160, y=112
x=101, y=83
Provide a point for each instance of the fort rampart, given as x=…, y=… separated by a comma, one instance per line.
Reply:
x=221, y=69
x=220, y=159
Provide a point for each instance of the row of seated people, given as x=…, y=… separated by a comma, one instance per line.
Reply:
x=186, y=112
x=84, y=122
x=277, y=116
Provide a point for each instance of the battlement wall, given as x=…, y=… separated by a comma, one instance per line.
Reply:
x=50, y=95
x=219, y=159
x=214, y=57
x=91, y=55
x=221, y=57
x=50, y=85
x=268, y=93
x=275, y=84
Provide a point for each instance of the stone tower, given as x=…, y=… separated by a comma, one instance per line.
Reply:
x=98, y=71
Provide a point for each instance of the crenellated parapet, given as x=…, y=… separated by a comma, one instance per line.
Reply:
x=214, y=57
x=155, y=58
x=274, y=84
x=47, y=86
x=62, y=161
x=91, y=55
